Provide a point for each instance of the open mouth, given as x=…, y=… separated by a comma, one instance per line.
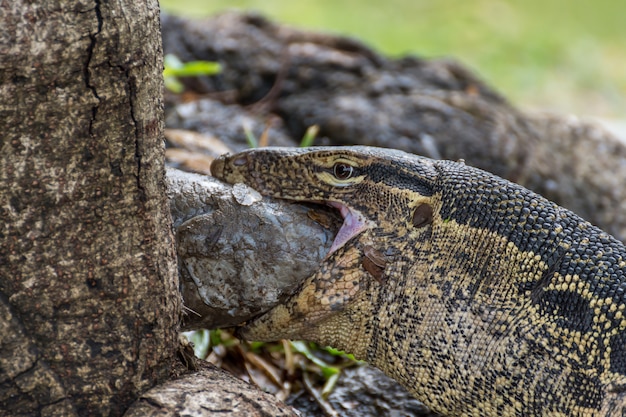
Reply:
x=353, y=223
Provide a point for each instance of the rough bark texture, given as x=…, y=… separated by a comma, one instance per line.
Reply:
x=209, y=392
x=435, y=108
x=89, y=304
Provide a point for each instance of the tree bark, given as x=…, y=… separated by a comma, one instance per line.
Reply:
x=210, y=391
x=89, y=304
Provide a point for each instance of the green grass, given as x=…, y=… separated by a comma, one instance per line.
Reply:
x=567, y=56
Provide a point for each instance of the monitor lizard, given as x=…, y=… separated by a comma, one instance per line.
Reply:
x=479, y=296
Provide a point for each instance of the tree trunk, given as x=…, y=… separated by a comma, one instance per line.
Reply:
x=89, y=304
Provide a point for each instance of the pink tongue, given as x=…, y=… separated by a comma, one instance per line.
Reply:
x=353, y=224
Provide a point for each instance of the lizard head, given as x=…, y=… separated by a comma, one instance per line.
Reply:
x=381, y=198
x=450, y=280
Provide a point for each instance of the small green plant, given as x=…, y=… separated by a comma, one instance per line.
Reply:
x=174, y=68
x=309, y=136
x=205, y=340
x=250, y=138
x=330, y=372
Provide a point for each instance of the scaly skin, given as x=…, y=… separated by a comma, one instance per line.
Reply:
x=479, y=296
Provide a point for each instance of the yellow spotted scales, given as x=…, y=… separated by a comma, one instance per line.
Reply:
x=479, y=296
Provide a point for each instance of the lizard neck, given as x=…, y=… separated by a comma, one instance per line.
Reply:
x=478, y=306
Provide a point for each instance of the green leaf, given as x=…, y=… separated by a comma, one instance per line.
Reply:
x=174, y=67
x=256, y=346
x=216, y=337
x=194, y=69
x=337, y=352
x=201, y=342
x=330, y=385
x=172, y=84
x=327, y=370
x=171, y=63
x=250, y=138
x=309, y=136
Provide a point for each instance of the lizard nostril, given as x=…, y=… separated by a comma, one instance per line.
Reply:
x=217, y=167
x=242, y=160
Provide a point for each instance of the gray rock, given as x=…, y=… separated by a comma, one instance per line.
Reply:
x=240, y=254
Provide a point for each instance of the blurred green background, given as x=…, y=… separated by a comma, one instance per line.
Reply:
x=565, y=56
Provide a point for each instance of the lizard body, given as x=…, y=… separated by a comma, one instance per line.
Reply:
x=479, y=296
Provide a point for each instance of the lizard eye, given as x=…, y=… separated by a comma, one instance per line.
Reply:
x=343, y=171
